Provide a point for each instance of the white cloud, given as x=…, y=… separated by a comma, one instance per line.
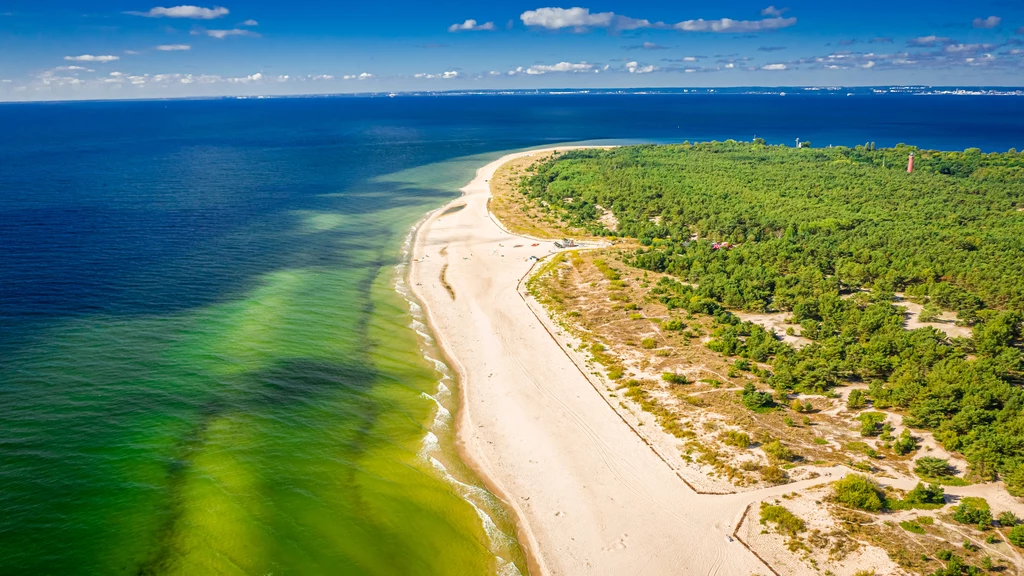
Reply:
x=91, y=58
x=580, y=19
x=987, y=23
x=773, y=67
x=734, y=26
x=173, y=47
x=321, y=77
x=730, y=65
x=868, y=64
x=363, y=76
x=773, y=12
x=250, y=22
x=635, y=68
x=556, y=18
x=194, y=12
x=222, y=34
x=932, y=40
x=443, y=75
x=131, y=52
x=76, y=68
x=538, y=69
x=955, y=48
x=471, y=26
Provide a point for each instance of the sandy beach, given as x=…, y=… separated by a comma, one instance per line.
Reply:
x=589, y=493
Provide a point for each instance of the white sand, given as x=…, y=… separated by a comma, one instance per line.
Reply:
x=590, y=496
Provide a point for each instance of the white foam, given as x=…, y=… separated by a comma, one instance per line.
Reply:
x=442, y=418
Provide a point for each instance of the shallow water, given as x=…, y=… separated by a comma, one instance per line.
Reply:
x=208, y=363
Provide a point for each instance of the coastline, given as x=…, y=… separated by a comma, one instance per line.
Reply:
x=592, y=488
x=587, y=492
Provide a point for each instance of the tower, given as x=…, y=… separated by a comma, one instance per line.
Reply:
x=910, y=164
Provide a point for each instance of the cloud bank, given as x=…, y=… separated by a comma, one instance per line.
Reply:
x=582, y=19
x=91, y=58
x=194, y=12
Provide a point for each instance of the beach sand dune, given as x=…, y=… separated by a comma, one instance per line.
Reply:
x=590, y=496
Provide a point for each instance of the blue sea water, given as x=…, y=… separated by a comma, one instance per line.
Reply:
x=204, y=366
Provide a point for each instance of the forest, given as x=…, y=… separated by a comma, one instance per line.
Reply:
x=829, y=236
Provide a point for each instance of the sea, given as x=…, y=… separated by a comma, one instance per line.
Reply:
x=210, y=362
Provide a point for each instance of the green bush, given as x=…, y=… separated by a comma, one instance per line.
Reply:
x=737, y=439
x=870, y=423
x=859, y=492
x=1016, y=536
x=930, y=494
x=855, y=400
x=905, y=444
x=785, y=521
x=1015, y=481
x=756, y=400
x=931, y=467
x=778, y=452
x=673, y=378
x=648, y=343
x=1007, y=518
x=774, y=475
x=973, y=511
x=674, y=325
x=912, y=527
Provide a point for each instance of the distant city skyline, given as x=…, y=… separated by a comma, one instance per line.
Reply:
x=128, y=49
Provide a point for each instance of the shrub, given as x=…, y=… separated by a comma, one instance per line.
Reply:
x=737, y=439
x=859, y=492
x=1007, y=518
x=673, y=378
x=855, y=400
x=674, y=325
x=1016, y=536
x=774, y=475
x=778, y=452
x=973, y=510
x=785, y=521
x=1015, y=481
x=912, y=527
x=929, y=313
x=648, y=343
x=930, y=494
x=870, y=423
x=905, y=444
x=931, y=467
x=756, y=400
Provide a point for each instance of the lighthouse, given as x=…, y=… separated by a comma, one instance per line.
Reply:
x=910, y=164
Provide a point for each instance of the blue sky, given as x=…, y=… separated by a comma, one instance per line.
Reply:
x=139, y=48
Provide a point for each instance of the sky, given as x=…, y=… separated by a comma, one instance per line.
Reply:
x=65, y=49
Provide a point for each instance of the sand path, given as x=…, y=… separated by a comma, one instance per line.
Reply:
x=590, y=496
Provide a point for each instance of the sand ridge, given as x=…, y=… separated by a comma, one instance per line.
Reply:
x=590, y=495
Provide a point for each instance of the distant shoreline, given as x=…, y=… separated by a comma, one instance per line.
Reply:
x=864, y=90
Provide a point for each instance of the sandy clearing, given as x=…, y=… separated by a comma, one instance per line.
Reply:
x=589, y=494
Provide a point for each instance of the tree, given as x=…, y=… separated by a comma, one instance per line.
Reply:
x=754, y=399
x=929, y=313
x=905, y=443
x=1016, y=536
x=857, y=491
x=930, y=494
x=973, y=511
x=931, y=467
x=856, y=399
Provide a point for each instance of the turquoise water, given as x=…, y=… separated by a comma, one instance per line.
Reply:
x=207, y=364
